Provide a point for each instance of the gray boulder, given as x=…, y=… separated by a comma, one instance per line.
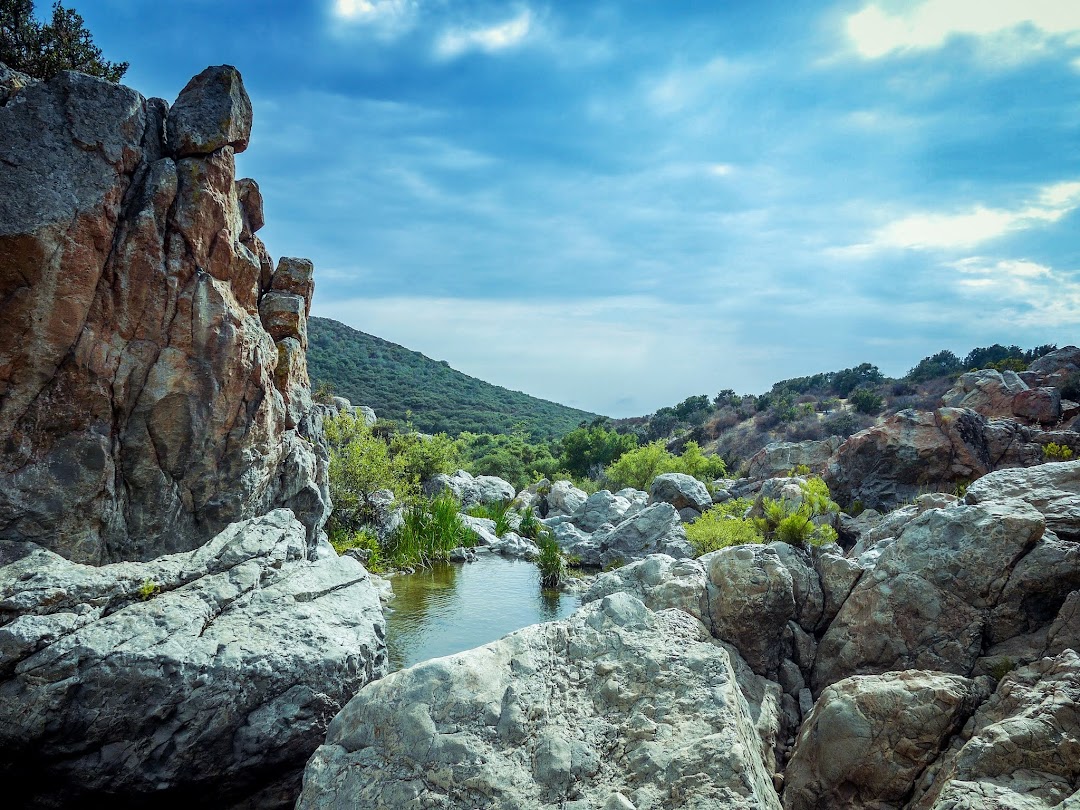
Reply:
x=470, y=491
x=600, y=508
x=213, y=110
x=868, y=739
x=1053, y=489
x=986, y=391
x=681, y=491
x=657, y=529
x=202, y=670
x=927, y=602
x=1021, y=749
x=564, y=499
x=585, y=712
x=661, y=582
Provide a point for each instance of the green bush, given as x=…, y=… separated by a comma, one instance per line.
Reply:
x=795, y=525
x=551, y=562
x=1057, y=452
x=866, y=401
x=362, y=539
x=721, y=526
x=430, y=531
x=637, y=468
x=530, y=526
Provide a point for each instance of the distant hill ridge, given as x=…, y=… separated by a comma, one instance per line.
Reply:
x=392, y=379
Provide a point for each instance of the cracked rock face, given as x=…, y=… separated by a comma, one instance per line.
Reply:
x=206, y=671
x=615, y=707
x=144, y=405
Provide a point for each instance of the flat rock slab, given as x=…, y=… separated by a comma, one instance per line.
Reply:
x=616, y=707
x=199, y=673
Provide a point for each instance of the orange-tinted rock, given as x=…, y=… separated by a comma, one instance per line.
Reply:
x=141, y=409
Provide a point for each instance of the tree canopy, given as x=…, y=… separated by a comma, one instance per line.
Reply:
x=44, y=49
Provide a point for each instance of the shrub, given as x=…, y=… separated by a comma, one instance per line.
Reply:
x=551, y=562
x=721, y=526
x=795, y=525
x=530, y=527
x=866, y=401
x=637, y=468
x=148, y=588
x=365, y=540
x=1057, y=452
x=429, y=532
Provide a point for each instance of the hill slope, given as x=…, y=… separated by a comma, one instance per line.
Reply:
x=392, y=379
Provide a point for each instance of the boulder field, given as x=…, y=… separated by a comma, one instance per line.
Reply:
x=174, y=627
x=932, y=666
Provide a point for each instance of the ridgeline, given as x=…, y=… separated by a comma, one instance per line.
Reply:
x=392, y=379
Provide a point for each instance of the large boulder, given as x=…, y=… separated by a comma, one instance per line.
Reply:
x=615, y=707
x=986, y=391
x=927, y=602
x=1053, y=489
x=661, y=582
x=563, y=499
x=600, y=508
x=870, y=737
x=1054, y=368
x=1021, y=750
x=142, y=400
x=780, y=458
x=657, y=529
x=915, y=451
x=214, y=670
x=471, y=491
x=681, y=491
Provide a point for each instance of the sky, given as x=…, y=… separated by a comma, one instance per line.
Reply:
x=617, y=205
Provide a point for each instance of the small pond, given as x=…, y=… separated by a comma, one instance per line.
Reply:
x=454, y=607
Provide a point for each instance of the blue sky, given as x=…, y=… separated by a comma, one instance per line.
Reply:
x=617, y=205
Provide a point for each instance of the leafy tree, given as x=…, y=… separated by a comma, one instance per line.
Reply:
x=936, y=365
x=866, y=401
x=586, y=447
x=847, y=380
x=637, y=468
x=43, y=50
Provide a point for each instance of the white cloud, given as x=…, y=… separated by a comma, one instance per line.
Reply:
x=721, y=169
x=492, y=39
x=1024, y=293
x=875, y=32
x=922, y=231
x=386, y=18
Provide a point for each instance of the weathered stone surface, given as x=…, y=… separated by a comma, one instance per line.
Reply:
x=681, y=491
x=564, y=499
x=600, y=508
x=868, y=738
x=1053, y=368
x=140, y=412
x=927, y=602
x=212, y=111
x=11, y=82
x=779, y=458
x=295, y=277
x=913, y=451
x=986, y=391
x=751, y=599
x=1053, y=489
x=661, y=582
x=1022, y=750
x=471, y=491
x=657, y=529
x=616, y=706
x=231, y=667
x=1039, y=405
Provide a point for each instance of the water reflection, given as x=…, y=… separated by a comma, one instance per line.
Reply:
x=450, y=607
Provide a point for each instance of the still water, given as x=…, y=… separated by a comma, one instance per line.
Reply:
x=454, y=607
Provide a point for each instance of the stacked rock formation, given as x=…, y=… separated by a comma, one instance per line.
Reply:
x=173, y=624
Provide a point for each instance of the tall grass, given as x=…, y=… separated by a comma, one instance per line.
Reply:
x=430, y=531
x=551, y=562
x=499, y=512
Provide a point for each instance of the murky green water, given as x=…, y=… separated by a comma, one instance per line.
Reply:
x=455, y=607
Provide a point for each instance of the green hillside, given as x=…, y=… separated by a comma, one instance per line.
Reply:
x=391, y=379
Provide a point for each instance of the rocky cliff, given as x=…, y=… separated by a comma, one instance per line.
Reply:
x=174, y=627
x=152, y=369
